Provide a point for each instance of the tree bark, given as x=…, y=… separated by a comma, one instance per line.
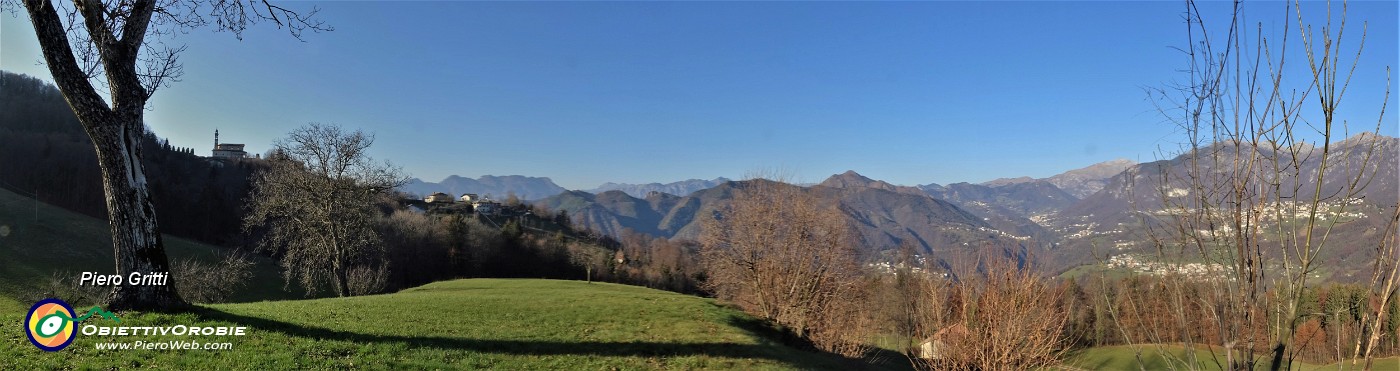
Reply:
x=115, y=131
x=136, y=240
x=342, y=281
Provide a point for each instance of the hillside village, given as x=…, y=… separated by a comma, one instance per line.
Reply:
x=439, y=202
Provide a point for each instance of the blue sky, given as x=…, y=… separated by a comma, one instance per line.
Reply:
x=591, y=92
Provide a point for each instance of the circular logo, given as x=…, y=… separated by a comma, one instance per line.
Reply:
x=50, y=324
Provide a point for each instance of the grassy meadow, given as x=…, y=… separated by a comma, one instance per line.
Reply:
x=462, y=324
x=465, y=324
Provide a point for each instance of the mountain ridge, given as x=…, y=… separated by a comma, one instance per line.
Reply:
x=883, y=215
x=1079, y=183
x=493, y=186
x=677, y=188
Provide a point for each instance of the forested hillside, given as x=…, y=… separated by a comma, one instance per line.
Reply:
x=44, y=153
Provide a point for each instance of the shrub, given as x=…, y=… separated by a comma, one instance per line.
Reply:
x=200, y=282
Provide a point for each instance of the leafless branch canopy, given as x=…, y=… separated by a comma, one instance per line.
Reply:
x=781, y=255
x=316, y=204
x=1262, y=179
x=105, y=37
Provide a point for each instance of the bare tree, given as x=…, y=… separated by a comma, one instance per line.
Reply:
x=1385, y=281
x=584, y=256
x=1262, y=182
x=1003, y=317
x=316, y=201
x=778, y=253
x=212, y=282
x=118, y=44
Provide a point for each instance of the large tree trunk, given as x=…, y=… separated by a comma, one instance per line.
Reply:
x=342, y=281
x=116, y=132
x=136, y=240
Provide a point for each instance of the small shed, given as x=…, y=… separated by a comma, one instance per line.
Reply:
x=936, y=346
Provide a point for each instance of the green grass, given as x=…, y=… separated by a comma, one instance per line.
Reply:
x=1391, y=363
x=893, y=343
x=463, y=324
x=1095, y=269
x=35, y=247
x=1124, y=357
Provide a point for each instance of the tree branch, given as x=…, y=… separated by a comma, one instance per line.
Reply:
x=58, y=55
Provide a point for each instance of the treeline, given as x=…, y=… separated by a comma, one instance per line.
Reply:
x=1332, y=319
x=45, y=153
x=524, y=241
x=950, y=319
x=660, y=263
x=996, y=313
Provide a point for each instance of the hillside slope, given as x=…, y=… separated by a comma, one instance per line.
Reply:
x=45, y=151
x=1025, y=199
x=1016, y=208
x=1113, y=217
x=463, y=324
x=1085, y=181
x=39, y=241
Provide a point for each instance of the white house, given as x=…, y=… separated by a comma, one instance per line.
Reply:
x=486, y=207
x=438, y=198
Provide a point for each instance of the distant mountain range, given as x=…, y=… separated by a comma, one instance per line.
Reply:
x=1079, y=183
x=681, y=188
x=1069, y=216
x=535, y=188
x=933, y=217
x=495, y=187
x=885, y=215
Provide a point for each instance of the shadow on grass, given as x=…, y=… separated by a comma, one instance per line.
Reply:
x=889, y=360
x=875, y=359
x=797, y=359
x=770, y=332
